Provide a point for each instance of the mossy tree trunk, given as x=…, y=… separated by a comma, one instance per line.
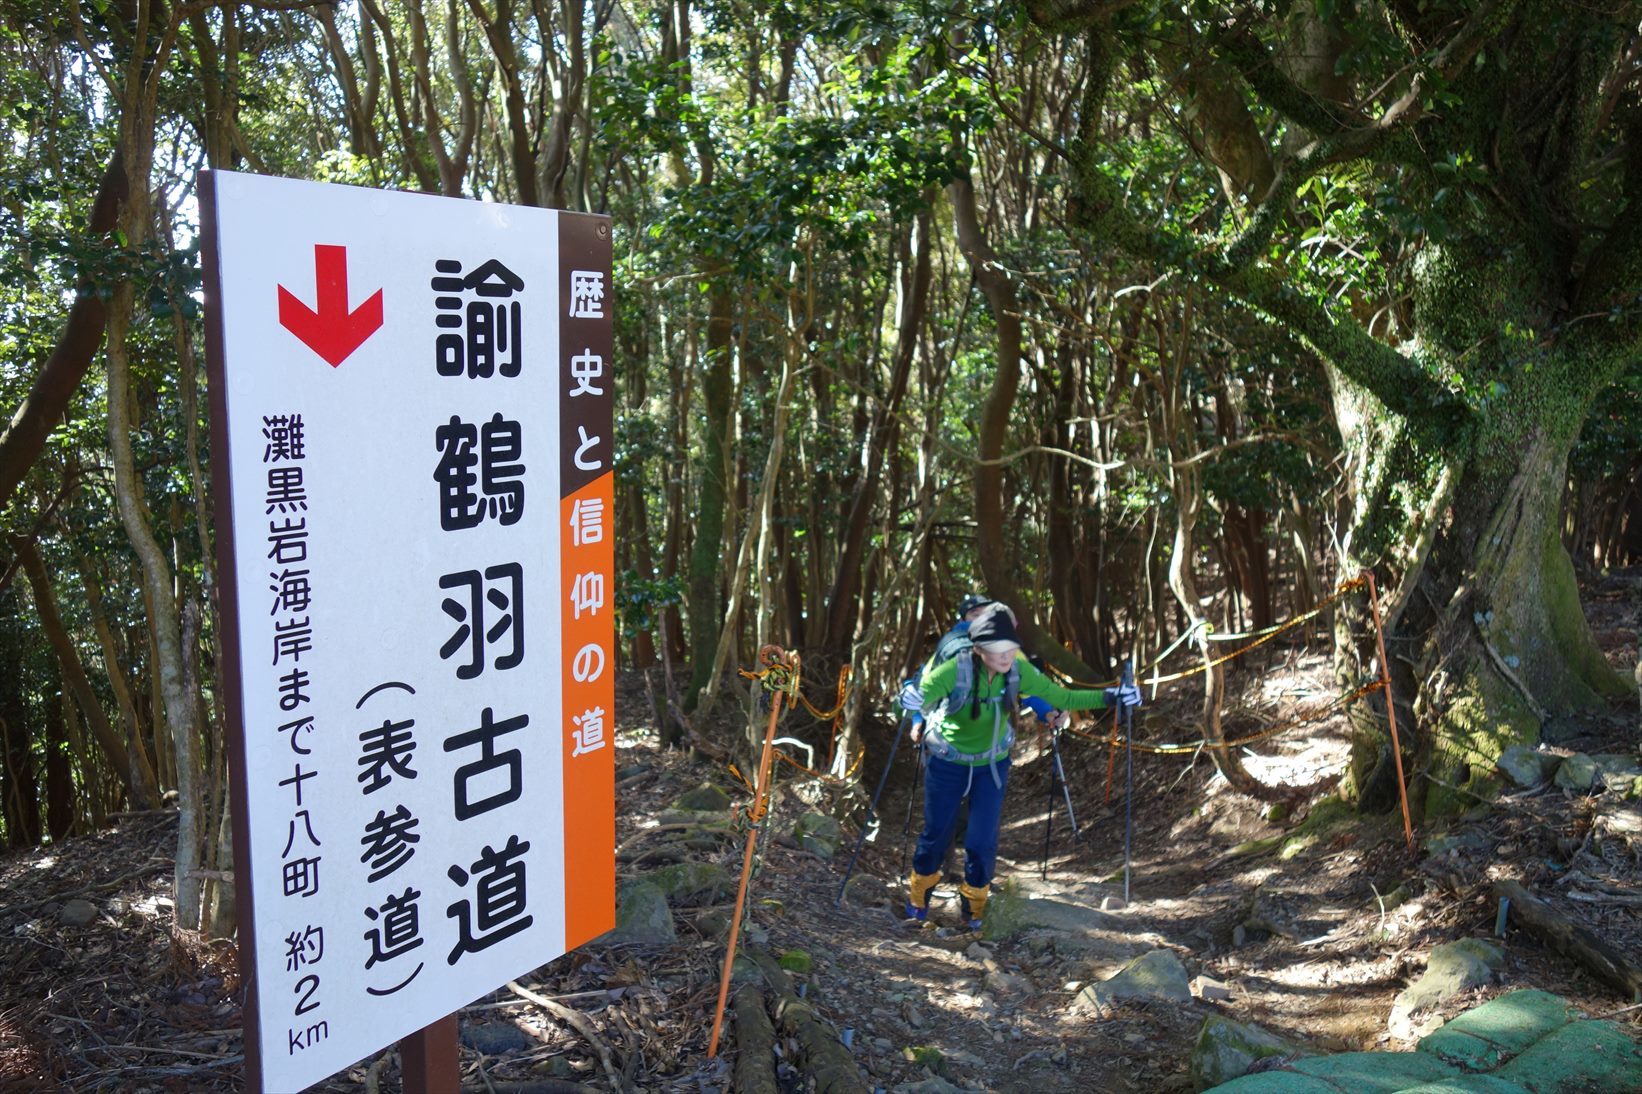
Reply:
x=1486, y=639
x=1499, y=143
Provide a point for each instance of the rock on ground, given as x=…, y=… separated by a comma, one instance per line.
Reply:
x=819, y=833
x=1226, y=1049
x=1524, y=766
x=703, y=881
x=77, y=913
x=1577, y=772
x=1453, y=967
x=1158, y=975
x=642, y=916
x=705, y=798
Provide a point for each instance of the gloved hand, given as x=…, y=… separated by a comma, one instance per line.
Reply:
x=1125, y=695
x=912, y=696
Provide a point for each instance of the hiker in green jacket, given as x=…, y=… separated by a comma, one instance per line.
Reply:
x=970, y=703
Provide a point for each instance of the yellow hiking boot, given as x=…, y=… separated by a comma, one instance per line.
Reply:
x=972, y=900
x=918, y=887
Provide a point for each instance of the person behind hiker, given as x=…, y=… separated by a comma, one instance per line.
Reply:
x=948, y=646
x=969, y=703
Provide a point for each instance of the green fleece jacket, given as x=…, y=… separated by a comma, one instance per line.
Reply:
x=971, y=733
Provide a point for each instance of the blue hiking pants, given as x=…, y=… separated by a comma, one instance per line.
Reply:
x=946, y=785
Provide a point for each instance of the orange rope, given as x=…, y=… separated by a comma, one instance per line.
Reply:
x=1144, y=680
x=736, y=771
x=835, y=715
x=781, y=675
x=836, y=711
x=787, y=681
x=1272, y=731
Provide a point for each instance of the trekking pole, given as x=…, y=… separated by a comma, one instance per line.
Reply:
x=916, y=795
x=1111, y=755
x=872, y=810
x=1065, y=787
x=1049, y=813
x=1057, y=772
x=1129, y=775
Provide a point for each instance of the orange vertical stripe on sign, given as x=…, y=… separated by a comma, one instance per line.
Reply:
x=587, y=603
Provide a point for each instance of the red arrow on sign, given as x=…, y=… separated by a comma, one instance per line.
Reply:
x=333, y=331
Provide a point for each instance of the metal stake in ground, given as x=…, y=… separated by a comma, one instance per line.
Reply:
x=774, y=659
x=872, y=811
x=1129, y=775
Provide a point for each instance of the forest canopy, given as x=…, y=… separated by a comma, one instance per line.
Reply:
x=1138, y=315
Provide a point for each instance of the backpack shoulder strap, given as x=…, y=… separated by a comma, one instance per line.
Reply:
x=963, y=680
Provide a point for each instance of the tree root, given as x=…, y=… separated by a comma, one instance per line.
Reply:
x=1572, y=940
x=754, y=1044
x=1512, y=678
x=825, y=1058
x=577, y=1021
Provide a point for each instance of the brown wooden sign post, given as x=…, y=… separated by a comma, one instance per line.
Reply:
x=427, y=1059
x=412, y=468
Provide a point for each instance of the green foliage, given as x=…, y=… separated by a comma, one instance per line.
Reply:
x=778, y=159
x=1611, y=441
x=640, y=599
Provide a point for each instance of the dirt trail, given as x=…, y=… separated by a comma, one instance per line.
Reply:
x=1313, y=943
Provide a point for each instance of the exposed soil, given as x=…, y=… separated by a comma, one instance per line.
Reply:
x=121, y=1004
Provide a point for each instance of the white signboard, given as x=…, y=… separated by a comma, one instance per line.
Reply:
x=412, y=412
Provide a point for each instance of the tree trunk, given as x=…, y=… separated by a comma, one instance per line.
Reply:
x=1179, y=422
x=165, y=754
x=707, y=552
x=567, y=108
x=1307, y=582
x=521, y=146
x=137, y=145
x=843, y=605
x=163, y=622
x=1077, y=539
x=1487, y=639
x=413, y=143
x=357, y=106
x=137, y=778
x=1188, y=500
x=60, y=811
x=48, y=399
x=637, y=552
x=19, y=796
x=751, y=563
x=141, y=767
x=1000, y=405
x=671, y=631
x=1251, y=561
x=93, y=797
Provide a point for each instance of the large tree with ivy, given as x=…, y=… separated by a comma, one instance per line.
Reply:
x=1440, y=198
